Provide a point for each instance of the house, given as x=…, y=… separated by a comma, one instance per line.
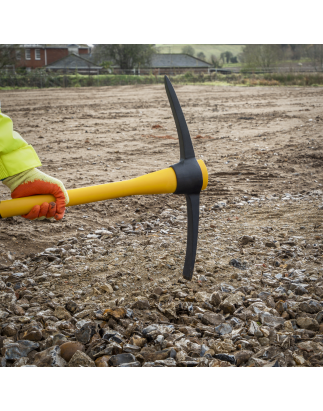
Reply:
x=33, y=56
x=73, y=62
x=169, y=64
x=177, y=64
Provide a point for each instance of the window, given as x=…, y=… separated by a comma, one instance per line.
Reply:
x=37, y=54
x=27, y=54
x=18, y=55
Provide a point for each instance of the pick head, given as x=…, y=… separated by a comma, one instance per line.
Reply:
x=189, y=177
x=185, y=142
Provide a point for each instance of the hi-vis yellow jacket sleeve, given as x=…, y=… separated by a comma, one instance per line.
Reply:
x=15, y=154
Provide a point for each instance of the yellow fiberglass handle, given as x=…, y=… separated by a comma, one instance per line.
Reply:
x=159, y=182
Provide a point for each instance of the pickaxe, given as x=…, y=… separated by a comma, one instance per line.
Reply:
x=188, y=177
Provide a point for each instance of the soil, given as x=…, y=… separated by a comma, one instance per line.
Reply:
x=255, y=142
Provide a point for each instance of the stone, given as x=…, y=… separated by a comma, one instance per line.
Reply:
x=71, y=306
x=169, y=362
x=106, y=288
x=130, y=364
x=141, y=305
x=299, y=290
x=17, y=309
x=10, y=330
x=223, y=329
x=85, y=332
x=310, y=306
x=256, y=362
x=227, y=307
x=212, y=319
x=116, y=313
x=102, y=361
x=270, y=244
x=215, y=299
x=59, y=339
x=158, y=291
x=61, y=313
x=307, y=323
x=225, y=346
x=242, y=357
x=138, y=341
x=155, y=355
x=68, y=349
x=246, y=239
x=180, y=356
x=112, y=349
x=281, y=306
x=237, y=264
x=116, y=360
x=31, y=332
x=21, y=348
x=319, y=317
x=299, y=359
x=254, y=329
x=3, y=315
x=226, y=357
x=288, y=326
x=310, y=346
x=270, y=320
x=264, y=341
x=7, y=298
x=80, y=359
x=50, y=358
x=21, y=362
x=219, y=363
x=201, y=296
x=129, y=348
x=188, y=363
x=148, y=330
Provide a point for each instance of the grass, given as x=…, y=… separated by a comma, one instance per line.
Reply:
x=235, y=79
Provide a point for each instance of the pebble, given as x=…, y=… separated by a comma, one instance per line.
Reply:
x=255, y=301
x=68, y=349
x=80, y=359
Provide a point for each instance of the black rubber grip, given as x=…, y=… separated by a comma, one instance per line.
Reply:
x=189, y=176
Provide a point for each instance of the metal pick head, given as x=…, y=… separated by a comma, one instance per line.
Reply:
x=189, y=179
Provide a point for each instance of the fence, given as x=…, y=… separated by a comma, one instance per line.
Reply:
x=36, y=79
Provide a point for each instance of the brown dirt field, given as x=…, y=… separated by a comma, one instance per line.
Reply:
x=258, y=141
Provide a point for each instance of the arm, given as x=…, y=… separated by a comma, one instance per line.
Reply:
x=15, y=154
x=18, y=162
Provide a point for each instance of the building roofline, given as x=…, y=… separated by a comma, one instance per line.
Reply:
x=76, y=55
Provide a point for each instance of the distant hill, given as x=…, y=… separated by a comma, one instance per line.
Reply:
x=207, y=49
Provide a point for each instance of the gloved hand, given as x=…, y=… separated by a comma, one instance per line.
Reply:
x=33, y=182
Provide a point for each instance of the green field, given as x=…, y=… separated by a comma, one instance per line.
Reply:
x=207, y=49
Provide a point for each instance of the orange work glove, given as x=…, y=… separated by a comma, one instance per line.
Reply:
x=33, y=182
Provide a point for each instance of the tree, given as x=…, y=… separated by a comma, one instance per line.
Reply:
x=201, y=55
x=315, y=54
x=126, y=56
x=188, y=50
x=8, y=54
x=260, y=55
x=215, y=61
x=226, y=56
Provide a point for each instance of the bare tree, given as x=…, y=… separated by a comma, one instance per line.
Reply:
x=188, y=50
x=216, y=63
x=256, y=56
x=126, y=56
x=201, y=55
x=8, y=54
x=315, y=53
